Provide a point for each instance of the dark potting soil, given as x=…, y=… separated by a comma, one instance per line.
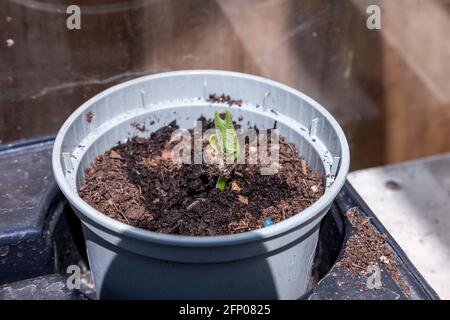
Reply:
x=89, y=117
x=137, y=183
x=224, y=99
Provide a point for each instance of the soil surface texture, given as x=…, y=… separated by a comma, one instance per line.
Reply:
x=137, y=183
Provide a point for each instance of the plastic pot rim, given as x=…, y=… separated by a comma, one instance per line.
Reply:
x=119, y=228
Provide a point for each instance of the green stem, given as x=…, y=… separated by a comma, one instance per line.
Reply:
x=220, y=184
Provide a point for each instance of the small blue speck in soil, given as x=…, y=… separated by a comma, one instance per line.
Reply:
x=268, y=222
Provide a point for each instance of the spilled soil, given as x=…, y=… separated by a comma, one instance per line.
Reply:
x=367, y=247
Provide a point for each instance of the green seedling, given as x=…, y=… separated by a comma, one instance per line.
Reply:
x=225, y=142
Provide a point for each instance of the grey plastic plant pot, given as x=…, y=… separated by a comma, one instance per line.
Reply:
x=269, y=263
